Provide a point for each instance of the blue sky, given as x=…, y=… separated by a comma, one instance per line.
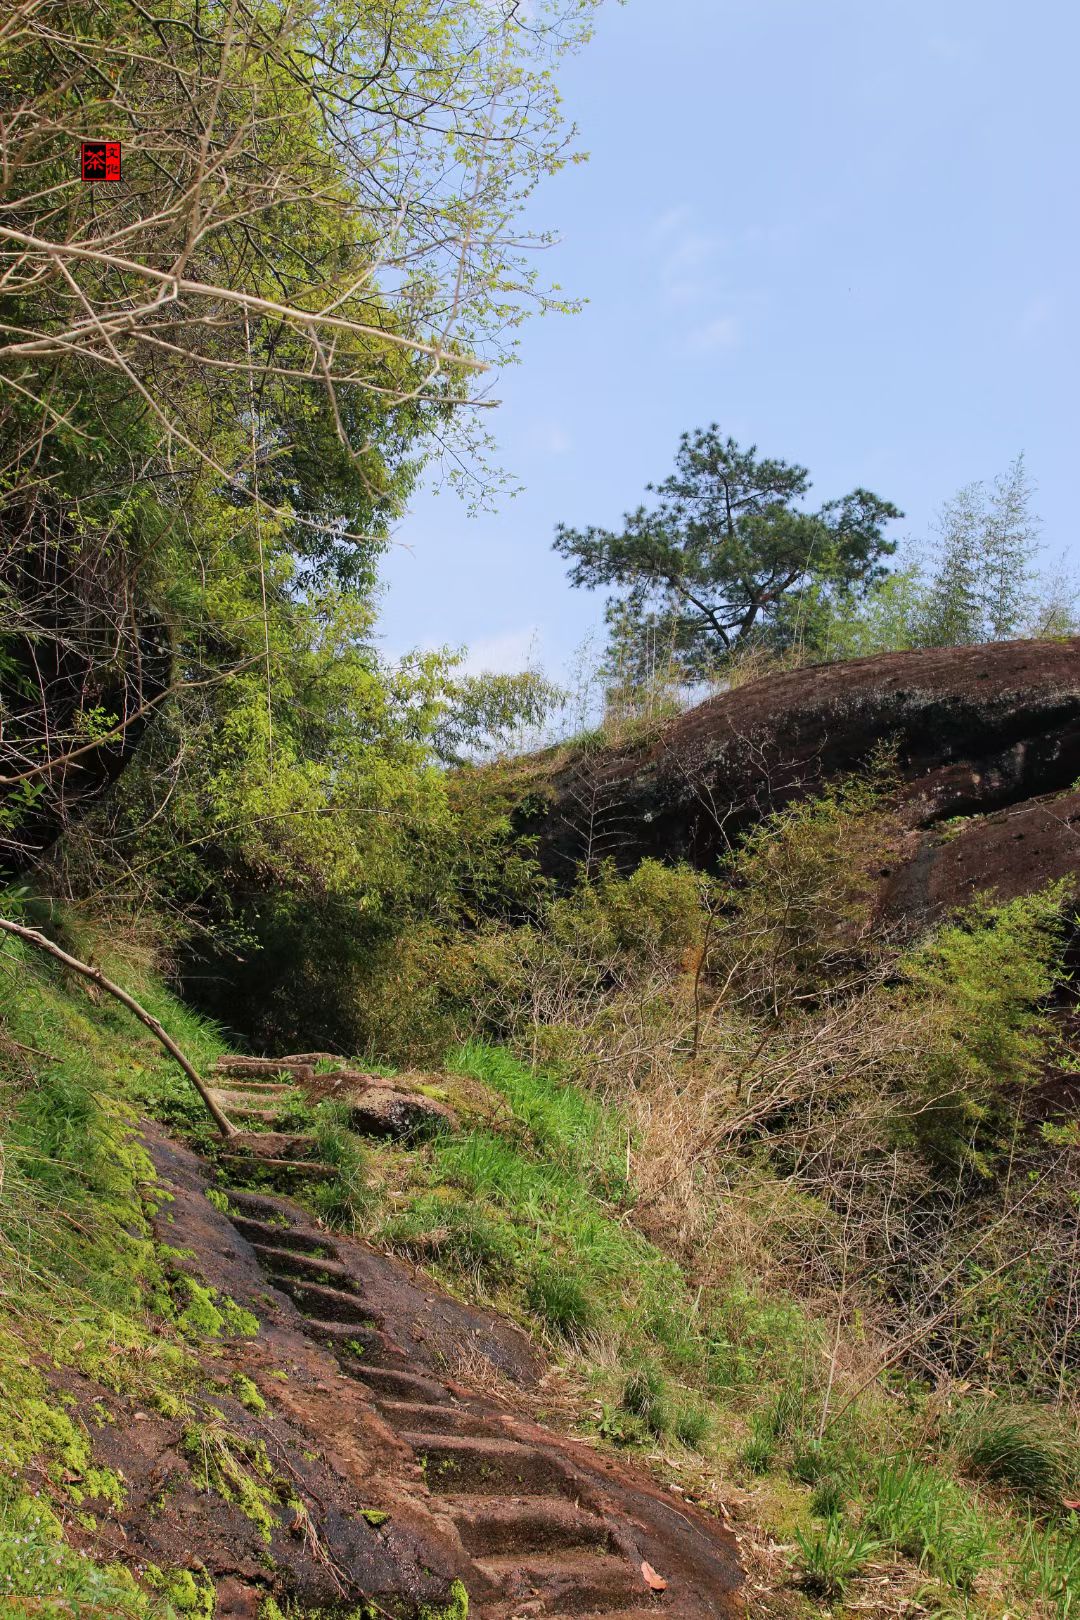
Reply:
x=846, y=230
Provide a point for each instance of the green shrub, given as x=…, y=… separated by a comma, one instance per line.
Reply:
x=801, y=890
x=985, y=979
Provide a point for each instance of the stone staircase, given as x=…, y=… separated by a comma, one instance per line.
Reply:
x=253, y=1094
x=546, y=1527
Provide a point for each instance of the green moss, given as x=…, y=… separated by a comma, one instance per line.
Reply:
x=48, y=1428
x=209, y=1314
x=105, y=1483
x=374, y=1516
x=237, y=1469
x=181, y=1588
x=457, y=1608
x=247, y=1393
x=200, y=1318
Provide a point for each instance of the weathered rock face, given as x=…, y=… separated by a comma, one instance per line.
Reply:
x=977, y=730
x=1008, y=853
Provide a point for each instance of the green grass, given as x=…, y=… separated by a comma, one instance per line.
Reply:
x=82, y=1272
x=1048, y=1560
x=567, y=1127
x=349, y=1197
x=1009, y=1445
x=918, y=1510
x=831, y=1555
x=532, y=1215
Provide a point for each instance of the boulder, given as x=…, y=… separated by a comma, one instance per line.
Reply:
x=1005, y=854
x=977, y=731
x=398, y=1115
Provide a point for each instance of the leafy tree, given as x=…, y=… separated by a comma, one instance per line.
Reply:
x=719, y=557
x=218, y=383
x=982, y=588
x=977, y=582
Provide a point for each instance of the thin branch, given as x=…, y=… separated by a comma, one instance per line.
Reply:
x=157, y=1029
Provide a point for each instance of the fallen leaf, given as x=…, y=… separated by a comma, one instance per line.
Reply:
x=1070, y=1502
x=657, y=1582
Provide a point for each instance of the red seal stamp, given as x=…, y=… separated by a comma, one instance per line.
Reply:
x=101, y=160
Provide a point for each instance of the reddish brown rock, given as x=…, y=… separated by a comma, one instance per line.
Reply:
x=976, y=731
x=1008, y=853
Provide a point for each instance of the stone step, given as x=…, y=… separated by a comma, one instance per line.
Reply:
x=308, y=1169
x=326, y=1303
x=230, y=1098
x=433, y=1419
x=357, y=1343
x=281, y=1261
x=298, y=1146
x=579, y=1582
x=264, y=1234
x=272, y=1208
x=263, y=1068
x=343, y=1336
x=257, y=1088
x=392, y=1384
x=481, y=1466
x=525, y=1524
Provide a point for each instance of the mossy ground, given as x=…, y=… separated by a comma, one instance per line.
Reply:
x=90, y=1295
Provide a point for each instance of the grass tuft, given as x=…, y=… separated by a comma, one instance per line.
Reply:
x=1006, y=1445
x=832, y=1555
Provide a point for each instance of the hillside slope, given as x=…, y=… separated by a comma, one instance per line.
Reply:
x=213, y=1404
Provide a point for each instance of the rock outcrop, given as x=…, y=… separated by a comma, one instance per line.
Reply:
x=990, y=732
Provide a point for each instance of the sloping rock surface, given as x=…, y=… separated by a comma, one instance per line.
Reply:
x=976, y=730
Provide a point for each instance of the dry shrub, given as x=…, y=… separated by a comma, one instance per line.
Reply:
x=812, y=1103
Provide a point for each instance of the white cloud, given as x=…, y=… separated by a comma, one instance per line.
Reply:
x=1036, y=315
x=685, y=254
x=671, y=220
x=949, y=48
x=720, y=333
x=550, y=438
x=505, y=653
